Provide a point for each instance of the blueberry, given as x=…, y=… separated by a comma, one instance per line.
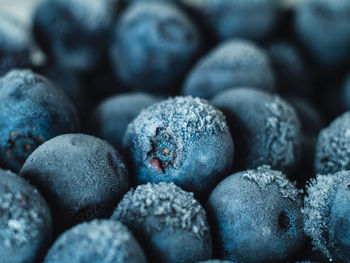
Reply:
x=153, y=45
x=96, y=241
x=111, y=118
x=234, y=63
x=311, y=123
x=71, y=85
x=333, y=146
x=170, y=224
x=311, y=119
x=252, y=19
x=291, y=71
x=32, y=111
x=326, y=212
x=256, y=216
x=183, y=140
x=25, y=220
x=82, y=177
x=264, y=127
x=14, y=45
x=323, y=26
x=73, y=33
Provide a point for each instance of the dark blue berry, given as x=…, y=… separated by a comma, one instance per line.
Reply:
x=290, y=70
x=183, y=140
x=264, y=127
x=71, y=85
x=256, y=217
x=32, y=111
x=327, y=215
x=14, y=45
x=25, y=221
x=111, y=118
x=153, y=45
x=235, y=63
x=82, y=177
x=333, y=146
x=98, y=241
x=73, y=33
x=323, y=26
x=169, y=223
x=251, y=19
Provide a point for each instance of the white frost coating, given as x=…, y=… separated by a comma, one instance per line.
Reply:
x=109, y=240
x=19, y=211
x=282, y=143
x=184, y=117
x=264, y=176
x=171, y=206
x=240, y=54
x=317, y=209
x=332, y=149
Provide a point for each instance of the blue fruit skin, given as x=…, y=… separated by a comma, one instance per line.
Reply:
x=111, y=118
x=98, y=241
x=14, y=45
x=233, y=63
x=168, y=222
x=248, y=221
x=32, y=110
x=82, y=177
x=153, y=45
x=26, y=224
x=232, y=19
x=71, y=85
x=264, y=127
x=199, y=159
x=339, y=223
x=323, y=26
x=73, y=33
x=290, y=70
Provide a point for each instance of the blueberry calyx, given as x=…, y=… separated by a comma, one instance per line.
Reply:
x=164, y=150
x=20, y=145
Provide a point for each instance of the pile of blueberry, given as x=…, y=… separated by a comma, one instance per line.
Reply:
x=176, y=131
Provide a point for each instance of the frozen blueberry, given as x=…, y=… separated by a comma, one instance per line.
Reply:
x=106, y=241
x=252, y=19
x=327, y=215
x=82, y=177
x=73, y=33
x=153, y=45
x=256, y=216
x=333, y=146
x=70, y=83
x=14, y=45
x=264, y=127
x=234, y=63
x=311, y=119
x=291, y=72
x=111, y=118
x=32, y=111
x=183, y=140
x=323, y=26
x=25, y=221
x=170, y=224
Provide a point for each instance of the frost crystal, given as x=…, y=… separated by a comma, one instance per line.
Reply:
x=172, y=207
x=317, y=209
x=264, y=176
